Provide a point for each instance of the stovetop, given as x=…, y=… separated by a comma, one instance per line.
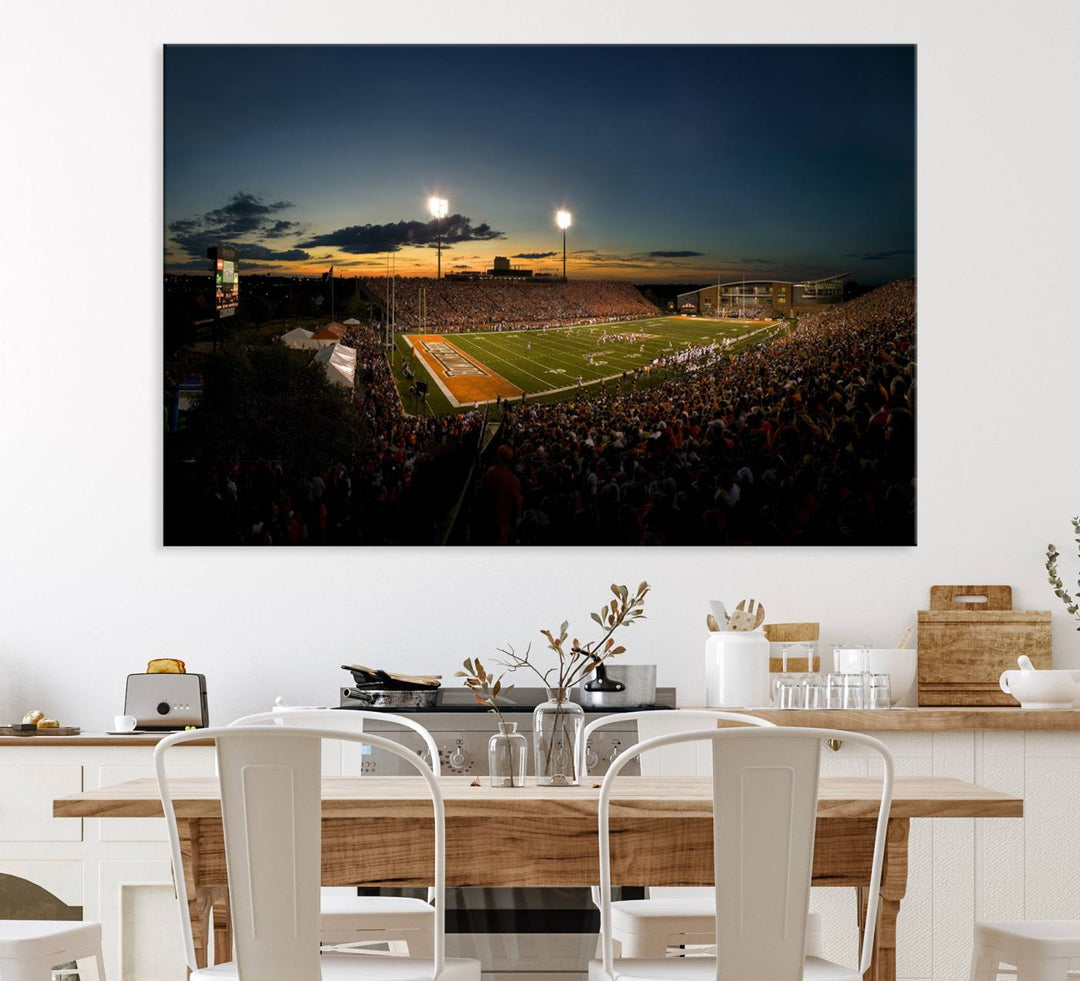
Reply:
x=518, y=700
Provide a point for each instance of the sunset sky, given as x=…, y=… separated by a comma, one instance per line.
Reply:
x=679, y=164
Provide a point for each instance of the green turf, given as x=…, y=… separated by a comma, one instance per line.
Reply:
x=542, y=362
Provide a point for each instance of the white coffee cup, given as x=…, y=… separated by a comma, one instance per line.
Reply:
x=124, y=723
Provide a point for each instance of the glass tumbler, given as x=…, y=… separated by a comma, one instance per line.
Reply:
x=853, y=691
x=834, y=690
x=813, y=691
x=879, y=692
x=788, y=692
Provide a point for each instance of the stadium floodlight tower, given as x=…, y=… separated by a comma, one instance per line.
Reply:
x=563, y=219
x=438, y=208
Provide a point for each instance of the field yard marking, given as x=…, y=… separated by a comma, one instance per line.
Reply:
x=513, y=365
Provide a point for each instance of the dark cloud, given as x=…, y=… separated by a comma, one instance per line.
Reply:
x=533, y=255
x=250, y=250
x=394, y=236
x=756, y=262
x=878, y=256
x=684, y=254
x=244, y=215
x=280, y=228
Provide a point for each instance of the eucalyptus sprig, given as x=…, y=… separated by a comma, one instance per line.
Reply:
x=1072, y=603
x=577, y=660
x=486, y=688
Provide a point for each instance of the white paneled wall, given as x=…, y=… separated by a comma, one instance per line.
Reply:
x=964, y=869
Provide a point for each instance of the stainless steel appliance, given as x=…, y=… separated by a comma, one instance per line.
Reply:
x=166, y=702
x=527, y=934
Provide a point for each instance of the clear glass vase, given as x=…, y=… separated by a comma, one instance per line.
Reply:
x=557, y=725
x=508, y=755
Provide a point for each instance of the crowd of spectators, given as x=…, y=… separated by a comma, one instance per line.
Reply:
x=392, y=489
x=806, y=439
x=454, y=306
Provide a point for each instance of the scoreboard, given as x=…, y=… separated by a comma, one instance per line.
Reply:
x=225, y=268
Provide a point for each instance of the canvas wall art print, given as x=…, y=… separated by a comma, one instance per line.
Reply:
x=537, y=295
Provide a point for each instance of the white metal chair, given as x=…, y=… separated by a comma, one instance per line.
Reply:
x=398, y=921
x=765, y=789
x=1041, y=950
x=30, y=949
x=677, y=916
x=271, y=809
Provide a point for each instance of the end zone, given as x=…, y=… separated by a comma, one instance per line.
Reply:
x=460, y=377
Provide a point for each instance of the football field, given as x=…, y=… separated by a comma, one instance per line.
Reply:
x=463, y=369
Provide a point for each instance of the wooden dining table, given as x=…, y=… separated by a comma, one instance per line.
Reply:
x=377, y=832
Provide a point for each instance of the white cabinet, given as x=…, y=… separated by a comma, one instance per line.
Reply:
x=117, y=870
x=26, y=803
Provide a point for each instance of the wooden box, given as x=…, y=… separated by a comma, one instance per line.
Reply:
x=966, y=642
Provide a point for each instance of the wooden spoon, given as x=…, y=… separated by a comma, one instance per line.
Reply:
x=748, y=617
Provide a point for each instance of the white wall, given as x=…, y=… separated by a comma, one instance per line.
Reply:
x=87, y=592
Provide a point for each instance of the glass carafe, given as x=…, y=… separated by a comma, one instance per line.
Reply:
x=508, y=755
x=557, y=725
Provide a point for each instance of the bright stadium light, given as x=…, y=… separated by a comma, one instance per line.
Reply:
x=439, y=208
x=563, y=219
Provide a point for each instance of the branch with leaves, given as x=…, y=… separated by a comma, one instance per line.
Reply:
x=575, y=659
x=1072, y=603
x=486, y=688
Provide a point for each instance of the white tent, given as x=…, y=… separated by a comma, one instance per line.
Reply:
x=300, y=339
x=339, y=363
x=351, y=322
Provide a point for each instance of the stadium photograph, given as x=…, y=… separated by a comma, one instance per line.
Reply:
x=514, y=295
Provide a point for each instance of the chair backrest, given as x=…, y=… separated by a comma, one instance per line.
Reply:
x=764, y=790
x=678, y=761
x=348, y=720
x=271, y=809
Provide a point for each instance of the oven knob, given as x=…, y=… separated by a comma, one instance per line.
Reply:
x=614, y=752
x=458, y=758
x=162, y=708
x=591, y=757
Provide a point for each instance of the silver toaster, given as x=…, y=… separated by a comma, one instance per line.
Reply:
x=167, y=701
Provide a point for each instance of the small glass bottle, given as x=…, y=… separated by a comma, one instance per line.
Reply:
x=557, y=725
x=508, y=755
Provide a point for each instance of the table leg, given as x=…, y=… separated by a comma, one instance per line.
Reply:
x=208, y=905
x=893, y=889
x=199, y=914
x=222, y=921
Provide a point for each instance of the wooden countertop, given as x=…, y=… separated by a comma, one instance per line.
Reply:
x=922, y=719
x=999, y=719
x=92, y=739
x=657, y=797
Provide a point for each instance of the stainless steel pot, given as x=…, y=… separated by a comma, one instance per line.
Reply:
x=389, y=698
x=619, y=686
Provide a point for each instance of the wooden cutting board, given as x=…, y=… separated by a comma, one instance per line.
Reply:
x=793, y=633
x=58, y=731
x=968, y=637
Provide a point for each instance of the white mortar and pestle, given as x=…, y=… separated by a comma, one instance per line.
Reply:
x=1035, y=689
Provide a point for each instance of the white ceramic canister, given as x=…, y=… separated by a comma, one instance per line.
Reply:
x=737, y=669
